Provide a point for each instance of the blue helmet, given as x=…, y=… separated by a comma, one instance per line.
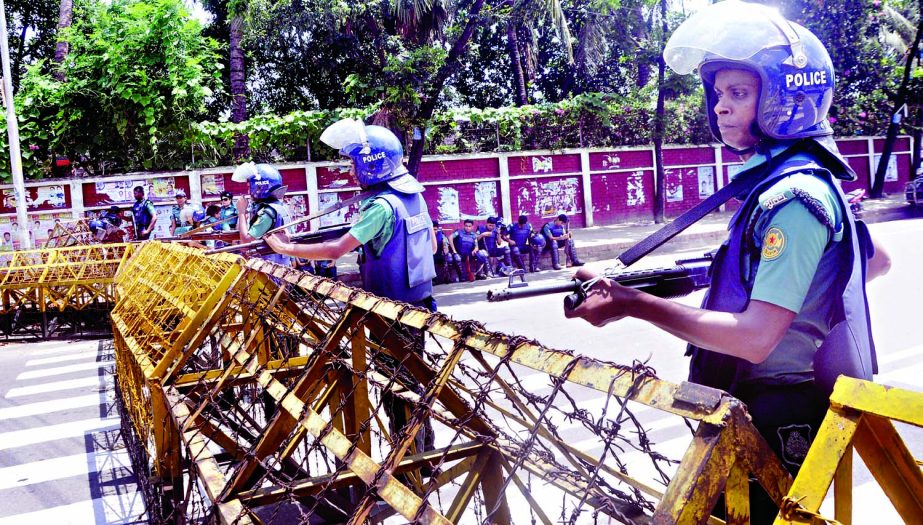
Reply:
x=198, y=216
x=376, y=152
x=795, y=70
x=265, y=181
x=96, y=225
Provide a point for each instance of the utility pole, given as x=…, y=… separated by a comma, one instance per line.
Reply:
x=12, y=128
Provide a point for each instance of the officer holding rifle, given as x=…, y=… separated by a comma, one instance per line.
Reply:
x=787, y=308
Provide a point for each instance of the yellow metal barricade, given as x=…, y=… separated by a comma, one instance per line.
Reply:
x=860, y=417
x=266, y=394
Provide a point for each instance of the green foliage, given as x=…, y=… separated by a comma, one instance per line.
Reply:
x=136, y=79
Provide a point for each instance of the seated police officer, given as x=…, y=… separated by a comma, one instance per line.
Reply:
x=445, y=257
x=557, y=234
x=491, y=242
x=520, y=237
x=473, y=259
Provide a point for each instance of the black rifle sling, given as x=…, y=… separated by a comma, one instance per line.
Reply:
x=742, y=184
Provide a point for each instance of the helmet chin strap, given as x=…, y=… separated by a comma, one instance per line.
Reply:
x=761, y=145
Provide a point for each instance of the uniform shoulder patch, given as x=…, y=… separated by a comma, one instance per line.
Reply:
x=773, y=244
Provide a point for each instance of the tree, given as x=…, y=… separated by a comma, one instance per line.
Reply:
x=138, y=75
x=65, y=17
x=32, y=35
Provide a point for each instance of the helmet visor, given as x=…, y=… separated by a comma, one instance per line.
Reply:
x=730, y=30
x=344, y=133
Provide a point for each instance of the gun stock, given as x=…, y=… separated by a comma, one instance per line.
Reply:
x=686, y=277
x=261, y=248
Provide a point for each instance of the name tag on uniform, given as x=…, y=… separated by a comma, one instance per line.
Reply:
x=417, y=223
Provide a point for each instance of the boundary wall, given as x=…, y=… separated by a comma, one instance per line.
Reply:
x=596, y=187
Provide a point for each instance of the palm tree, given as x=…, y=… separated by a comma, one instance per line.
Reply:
x=524, y=17
x=238, y=85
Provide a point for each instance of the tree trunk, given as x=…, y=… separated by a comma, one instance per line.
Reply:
x=238, y=86
x=65, y=17
x=659, y=182
x=878, y=185
x=512, y=44
x=431, y=98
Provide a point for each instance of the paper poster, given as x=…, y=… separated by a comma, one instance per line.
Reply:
x=119, y=191
x=448, y=205
x=891, y=171
x=212, y=184
x=733, y=170
x=341, y=216
x=542, y=164
x=297, y=208
x=556, y=197
x=163, y=188
x=51, y=195
x=484, y=195
x=634, y=189
x=674, y=185
x=706, y=181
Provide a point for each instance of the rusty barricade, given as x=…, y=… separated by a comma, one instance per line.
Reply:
x=258, y=393
x=860, y=417
x=68, y=291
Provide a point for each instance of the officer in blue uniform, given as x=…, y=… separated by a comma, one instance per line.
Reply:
x=787, y=310
x=144, y=215
x=180, y=222
x=557, y=234
x=266, y=211
x=520, y=237
x=473, y=259
x=396, y=234
x=228, y=210
x=493, y=244
x=445, y=256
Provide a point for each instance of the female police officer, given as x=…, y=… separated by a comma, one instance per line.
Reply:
x=787, y=309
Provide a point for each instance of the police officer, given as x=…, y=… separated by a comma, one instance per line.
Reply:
x=394, y=227
x=180, y=222
x=266, y=211
x=473, y=259
x=445, y=256
x=228, y=210
x=557, y=234
x=144, y=215
x=520, y=238
x=491, y=242
x=787, y=309
x=395, y=232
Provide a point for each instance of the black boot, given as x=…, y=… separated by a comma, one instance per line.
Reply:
x=571, y=251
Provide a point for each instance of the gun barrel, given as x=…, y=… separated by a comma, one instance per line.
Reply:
x=506, y=294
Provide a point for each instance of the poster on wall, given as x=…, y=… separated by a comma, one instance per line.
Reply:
x=119, y=191
x=50, y=195
x=891, y=172
x=212, y=184
x=674, y=185
x=733, y=170
x=163, y=188
x=297, y=208
x=484, y=195
x=341, y=216
x=706, y=181
x=8, y=231
x=556, y=197
x=634, y=189
x=448, y=205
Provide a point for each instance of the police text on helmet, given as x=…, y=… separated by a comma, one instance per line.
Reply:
x=372, y=158
x=806, y=78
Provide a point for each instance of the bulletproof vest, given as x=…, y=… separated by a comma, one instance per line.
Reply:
x=404, y=270
x=440, y=244
x=280, y=213
x=140, y=214
x=847, y=348
x=557, y=230
x=229, y=211
x=490, y=242
x=520, y=234
x=465, y=242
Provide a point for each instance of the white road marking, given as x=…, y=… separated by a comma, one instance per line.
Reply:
x=63, y=467
x=47, y=407
x=55, y=386
x=114, y=509
x=61, y=370
x=31, y=436
x=70, y=357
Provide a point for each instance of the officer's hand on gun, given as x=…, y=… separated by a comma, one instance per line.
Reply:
x=277, y=240
x=605, y=302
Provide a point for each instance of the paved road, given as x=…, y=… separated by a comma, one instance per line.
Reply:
x=61, y=455
x=896, y=313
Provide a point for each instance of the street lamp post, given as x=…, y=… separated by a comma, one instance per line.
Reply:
x=12, y=127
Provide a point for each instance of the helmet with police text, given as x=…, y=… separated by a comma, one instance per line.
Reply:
x=265, y=181
x=376, y=152
x=795, y=70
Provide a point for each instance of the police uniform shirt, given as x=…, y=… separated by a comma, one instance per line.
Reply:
x=375, y=224
x=796, y=220
x=263, y=223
